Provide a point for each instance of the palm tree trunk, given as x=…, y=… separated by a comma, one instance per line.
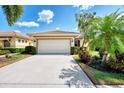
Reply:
x=105, y=57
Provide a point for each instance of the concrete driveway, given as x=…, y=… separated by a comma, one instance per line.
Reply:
x=44, y=71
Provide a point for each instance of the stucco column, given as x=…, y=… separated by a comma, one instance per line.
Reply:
x=12, y=42
x=72, y=42
x=37, y=45
x=1, y=44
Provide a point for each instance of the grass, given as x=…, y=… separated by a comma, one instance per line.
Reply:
x=17, y=57
x=101, y=77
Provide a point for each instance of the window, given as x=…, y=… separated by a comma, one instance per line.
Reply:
x=19, y=40
x=22, y=41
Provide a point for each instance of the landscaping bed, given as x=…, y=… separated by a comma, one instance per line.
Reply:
x=101, y=77
x=6, y=61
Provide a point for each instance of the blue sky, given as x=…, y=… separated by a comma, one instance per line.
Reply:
x=51, y=17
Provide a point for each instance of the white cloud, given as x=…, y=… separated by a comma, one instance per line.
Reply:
x=17, y=31
x=57, y=28
x=27, y=24
x=83, y=7
x=45, y=16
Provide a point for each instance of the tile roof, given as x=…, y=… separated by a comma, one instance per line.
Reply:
x=53, y=32
x=14, y=34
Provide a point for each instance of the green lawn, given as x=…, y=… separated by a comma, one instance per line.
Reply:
x=16, y=58
x=101, y=77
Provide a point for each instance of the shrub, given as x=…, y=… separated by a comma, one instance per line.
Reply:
x=74, y=50
x=15, y=50
x=30, y=50
x=8, y=56
x=3, y=52
x=119, y=56
x=118, y=63
x=0, y=47
x=114, y=65
x=84, y=56
x=119, y=67
x=95, y=60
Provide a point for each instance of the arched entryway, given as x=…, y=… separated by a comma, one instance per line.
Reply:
x=6, y=43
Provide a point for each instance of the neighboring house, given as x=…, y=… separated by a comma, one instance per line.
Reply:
x=15, y=39
x=55, y=42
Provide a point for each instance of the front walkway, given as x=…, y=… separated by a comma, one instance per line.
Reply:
x=44, y=71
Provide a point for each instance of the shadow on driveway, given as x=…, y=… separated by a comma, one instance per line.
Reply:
x=75, y=77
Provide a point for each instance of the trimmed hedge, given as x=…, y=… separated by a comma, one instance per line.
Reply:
x=3, y=52
x=15, y=50
x=30, y=50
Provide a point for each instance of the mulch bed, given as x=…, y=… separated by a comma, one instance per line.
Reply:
x=4, y=59
x=103, y=68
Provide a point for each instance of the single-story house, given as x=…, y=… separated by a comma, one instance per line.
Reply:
x=15, y=39
x=55, y=42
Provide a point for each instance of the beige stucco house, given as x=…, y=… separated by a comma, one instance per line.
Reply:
x=50, y=42
x=15, y=39
x=55, y=42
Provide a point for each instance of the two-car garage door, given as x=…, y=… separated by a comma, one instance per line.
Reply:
x=54, y=46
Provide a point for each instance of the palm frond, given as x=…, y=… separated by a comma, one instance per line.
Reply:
x=12, y=13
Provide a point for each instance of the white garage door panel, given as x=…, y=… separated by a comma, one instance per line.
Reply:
x=54, y=46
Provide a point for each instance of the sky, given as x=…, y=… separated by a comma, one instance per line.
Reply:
x=52, y=17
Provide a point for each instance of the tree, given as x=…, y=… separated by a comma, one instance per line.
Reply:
x=85, y=26
x=12, y=13
x=109, y=34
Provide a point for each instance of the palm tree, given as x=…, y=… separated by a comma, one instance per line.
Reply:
x=109, y=34
x=12, y=13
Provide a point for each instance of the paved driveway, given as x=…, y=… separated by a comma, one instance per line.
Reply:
x=44, y=71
